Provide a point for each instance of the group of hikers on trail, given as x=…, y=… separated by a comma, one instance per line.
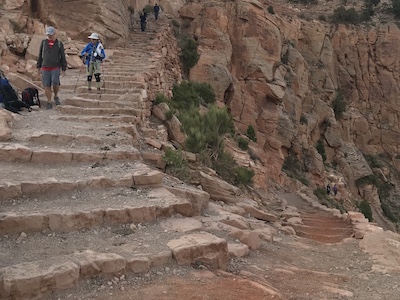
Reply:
x=335, y=189
x=143, y=16
x=52, y=63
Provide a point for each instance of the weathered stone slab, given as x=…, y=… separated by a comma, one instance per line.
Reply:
x=36, y=280
x=138, y=264
x=13, y=224
x=15, y=153
x=247, y=237
x=94, y=263
x=182, y=225
x=200, y=247
x=62, y=222
x=218, y=189
x=238, y=250
x=198, y=198
x=258, y=214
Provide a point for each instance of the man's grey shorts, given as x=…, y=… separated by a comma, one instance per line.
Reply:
x=50, y=78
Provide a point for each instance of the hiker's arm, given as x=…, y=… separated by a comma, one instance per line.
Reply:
x=62, y=57
x=40, y=58
x=84, y=52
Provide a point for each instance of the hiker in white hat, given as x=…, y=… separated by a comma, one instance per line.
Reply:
x=93, y=55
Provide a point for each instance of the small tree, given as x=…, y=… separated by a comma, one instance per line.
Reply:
x=339, y=105
x=321, y=149
x=189, y=55
x=251, y=133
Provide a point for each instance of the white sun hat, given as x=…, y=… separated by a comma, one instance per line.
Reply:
x=94, y=36
x=50, y=30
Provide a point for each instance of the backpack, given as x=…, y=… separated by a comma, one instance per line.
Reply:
x=30, y=96
x=9, y=97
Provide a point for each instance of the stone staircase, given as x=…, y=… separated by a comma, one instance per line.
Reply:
x=77, y=198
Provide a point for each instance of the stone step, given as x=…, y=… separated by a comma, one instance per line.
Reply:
x=78, y=210
x=89, y=103
x=10, y=152
x=131, y=77
x=77, y=141
x=325, y=238
x=129, y=70
x=21, y=179
x=317, y=228
x=74, y=110
x=134, y=97
x=125, y=253
x=110, y=89
x=49, y=128
x=102, y=119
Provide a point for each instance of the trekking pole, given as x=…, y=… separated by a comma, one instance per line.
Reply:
x=79, y=75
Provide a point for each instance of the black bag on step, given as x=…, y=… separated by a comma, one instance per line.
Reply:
x=30, y=96
x=8, y=96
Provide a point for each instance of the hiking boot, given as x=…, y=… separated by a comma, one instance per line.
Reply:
x=49, y=106
x=57, y=100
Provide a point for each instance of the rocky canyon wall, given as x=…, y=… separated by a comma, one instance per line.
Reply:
x=280, y=75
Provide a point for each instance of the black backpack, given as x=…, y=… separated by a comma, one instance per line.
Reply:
x=30, y=96
x=9, y=98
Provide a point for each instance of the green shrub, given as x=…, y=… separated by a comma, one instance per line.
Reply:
x=294, y=169
x=16, y=26
x=186, y=24
x=205, y=91
x=396, y=8
x=148, y=9
x=346, y=16
x=304, y=2
x=224, y=164
x=251, y=133
x=175, y=23
x=243, y=143
x=189, y=55
x=365, y=209
x=131, y=9
x=176, y=163
x=322, y=18
x=388, y=212
x=303, y=120
x=244, y=175
x=285, y=58
x=169, y=114
x=271, y=10
x=339, y=105
x=160, y=98
x=321, y=149
x=373, y=161
x=384, y=188
x=184, y=96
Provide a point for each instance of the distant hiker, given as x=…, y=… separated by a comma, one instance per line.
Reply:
x=156, y=11
x=335, y=189
x=51, y=59
x=328, y=189
x=143, y=17
x=94, y=54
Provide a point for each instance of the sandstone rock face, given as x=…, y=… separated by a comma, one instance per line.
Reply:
x=281, y=75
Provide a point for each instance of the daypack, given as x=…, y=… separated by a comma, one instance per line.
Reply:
x=9, y=97
x=30, y=96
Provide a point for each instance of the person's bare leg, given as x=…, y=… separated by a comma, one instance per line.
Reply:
x=47, y=91
x=56, y=88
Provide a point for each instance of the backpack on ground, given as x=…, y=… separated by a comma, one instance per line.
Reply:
x=30, y=96
x=9, y=97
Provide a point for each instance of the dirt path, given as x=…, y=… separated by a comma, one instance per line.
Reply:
x=291, y=267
